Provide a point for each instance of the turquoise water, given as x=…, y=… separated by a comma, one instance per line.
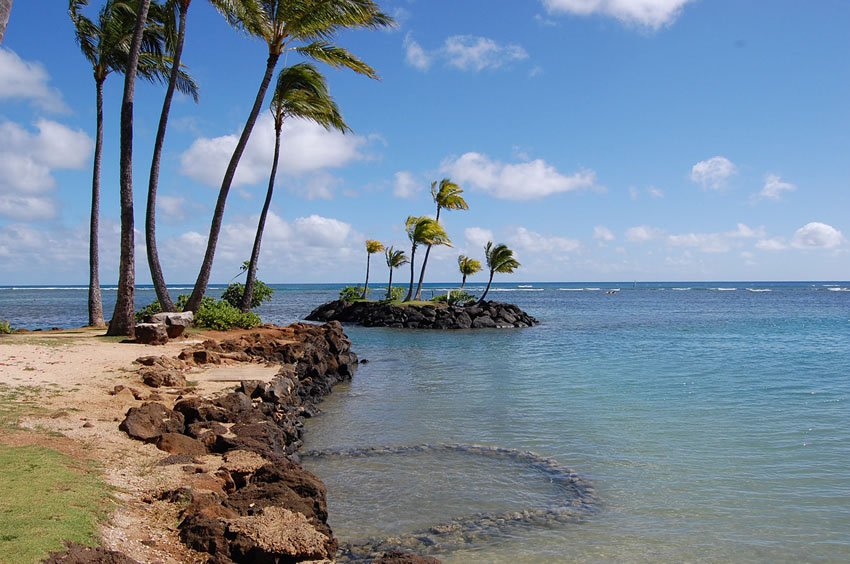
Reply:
x=714, y=424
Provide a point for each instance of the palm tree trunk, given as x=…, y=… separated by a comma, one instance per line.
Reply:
x=487, y=289
x=463, y=282
x=5, y=12
x=157, y=277
x=218, y=215
x=366, y=285
x=390, y=285
x=122, y=322
x=410, y=289
x=424, y=264
x=95, y=295
x=248, y=294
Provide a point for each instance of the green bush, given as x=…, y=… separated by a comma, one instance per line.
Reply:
x=458, y=297
x=351, y=293
x=149, y=309
x=5, y=327
x=396, y=294
x=234, y=292
x=221, y=316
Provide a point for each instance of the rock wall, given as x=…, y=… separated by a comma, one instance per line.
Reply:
x=489, y=315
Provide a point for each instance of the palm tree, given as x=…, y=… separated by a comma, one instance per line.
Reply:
x=123, y=322
x=301, y=92
x=105, y=43
x=447, y=195
x=281, y=24
x=5, y=12
x=499, y=259
x=372, y=247
x=422, y=230
x=468, y=267
x=227, y=8
x=394, y=260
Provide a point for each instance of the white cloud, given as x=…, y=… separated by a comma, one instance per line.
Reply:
x=309, y=148
x=713, y=173
x=28, y=160
x=816, y=235
x=532, y=242
x=405, y=185
x=24, y=80
x=521, y=181
x=643, y=233
x=774, y=187
x=772, y=244
x=319, y=186
x=415, y=55
x=649, y=13
x=464, y=52
x=602, y=233
x=654, y=192
x=172, y=206
x=477, y=236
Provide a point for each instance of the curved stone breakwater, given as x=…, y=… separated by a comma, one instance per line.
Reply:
x=577, y=500
x=488, y=315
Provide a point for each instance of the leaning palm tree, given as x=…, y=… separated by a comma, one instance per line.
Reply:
x=468, y=267
x=123, y=322
x=304, y=27
x=230, y=9
x=423, y=230
x=105, y=43
x=447, y=195
x=394, y=260
x=5, y=12
x=372, y=247
x=302, y=93
x=499, y=259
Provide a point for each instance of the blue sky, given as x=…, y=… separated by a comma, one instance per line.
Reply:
x=601, y=139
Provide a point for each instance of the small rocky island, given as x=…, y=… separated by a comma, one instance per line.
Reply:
x=487, y=315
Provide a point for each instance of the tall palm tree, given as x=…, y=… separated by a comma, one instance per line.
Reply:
x=301, y=92
x=499, y=259
x=122, y=322
x=305, y=27
x=105, y=43
x=372, y=247
x=422, y=230
x=394, y=260
x=468, y=267
x=229, y=8
x=5, y=12
x=447, y=195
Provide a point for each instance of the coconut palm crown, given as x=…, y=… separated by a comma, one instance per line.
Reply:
x=499, y=259
x=423, y=230
x=372, y=247
x=468, y=267
x=395, y=258
x=447, y=195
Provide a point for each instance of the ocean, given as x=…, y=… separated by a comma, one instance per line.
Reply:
x=712, y=420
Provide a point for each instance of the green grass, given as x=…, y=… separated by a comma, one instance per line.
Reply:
x=48, y=498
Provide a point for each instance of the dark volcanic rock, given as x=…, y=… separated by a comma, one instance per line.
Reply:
x=78, y=554
x=176, y=443
x=151, y=420
x=396, y=557
x=151, y=333
x=431, y=316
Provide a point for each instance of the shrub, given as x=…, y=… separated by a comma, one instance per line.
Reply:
x=351, y=293
x=396, y=293
x=455, y=297
x=5, y=327
x=221, y=316
x=149, y=309
x=234, y=292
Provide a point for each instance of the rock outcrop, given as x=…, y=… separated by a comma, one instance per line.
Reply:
x=488, y=315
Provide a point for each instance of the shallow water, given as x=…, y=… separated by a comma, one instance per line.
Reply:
x=715, y=424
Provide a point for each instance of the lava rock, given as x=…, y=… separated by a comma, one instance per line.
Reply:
x=150, y=421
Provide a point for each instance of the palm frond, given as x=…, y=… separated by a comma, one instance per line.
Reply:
x=302, y=92
x=468, y=266
x=373, y=246
x=447, y=195
x=424, y=230
x=500, y=258
x=336, y=57
x=395, y=258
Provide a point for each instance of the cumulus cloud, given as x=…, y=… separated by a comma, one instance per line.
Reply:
x=28, y=160
x=774, y=187
x=25, y=80
x=648, y=13
x=405, y=185
x=521, y=181
x=713, y=173
x=172, y=206
x=643, y=233
x=715, y=242
x=772, y=244
x=602, y=233
x=309, y=148
x=477, y=236
x=816, y=235
x=532, y=242
x=464, y=52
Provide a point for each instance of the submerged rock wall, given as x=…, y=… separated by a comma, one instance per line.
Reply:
x=488, y=315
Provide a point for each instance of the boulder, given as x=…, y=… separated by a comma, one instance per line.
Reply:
x=175, y=322
x=158, y=376
x=150, y=421
x=277, y=535
x=483, y=322
x=176, y=443
x=151, y=333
